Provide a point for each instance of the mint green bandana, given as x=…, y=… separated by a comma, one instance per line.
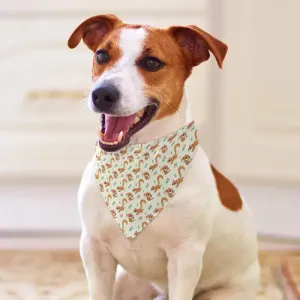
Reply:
x=138, y=181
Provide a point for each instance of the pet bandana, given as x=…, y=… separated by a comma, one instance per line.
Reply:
x=138, y=181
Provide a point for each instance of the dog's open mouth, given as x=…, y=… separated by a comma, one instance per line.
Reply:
x=116, y=131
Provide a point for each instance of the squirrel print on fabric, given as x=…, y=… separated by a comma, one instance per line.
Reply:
x=121, y=187
x=137, y=170
x=153, y=167
x=164, y=149
x=149, y=196
x=138, y=181
x=154, y=146
x=178, y=181
x=129, y=196
x=170, y=192
x=156, y=187
x=170, y=140
x=137, y=152
x=163, y=202
x=193, y=146
x=140, y=209
x=165, y=169
x=146, y=175
x=121, y=170
x=122, y=207
x=173, y=157
x=138, y=189
x=186, y=159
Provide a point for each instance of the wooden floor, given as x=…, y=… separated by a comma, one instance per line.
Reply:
x=46, y=274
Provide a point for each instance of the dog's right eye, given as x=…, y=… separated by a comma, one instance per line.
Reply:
x=150, y=63
x=102, y=56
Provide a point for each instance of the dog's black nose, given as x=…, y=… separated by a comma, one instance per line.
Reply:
x=105, y=97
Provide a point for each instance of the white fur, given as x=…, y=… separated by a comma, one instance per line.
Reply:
x=196, y=248
x=124, y=74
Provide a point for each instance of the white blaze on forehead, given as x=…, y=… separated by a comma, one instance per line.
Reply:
x=131, y=44
x=128, y=80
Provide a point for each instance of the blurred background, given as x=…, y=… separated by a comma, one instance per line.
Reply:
x=249, y=112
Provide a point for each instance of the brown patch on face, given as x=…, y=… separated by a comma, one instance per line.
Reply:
x=228, y=193
x=166, y=84
x=110, y=44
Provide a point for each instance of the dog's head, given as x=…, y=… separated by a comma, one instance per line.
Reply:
x=139, y=72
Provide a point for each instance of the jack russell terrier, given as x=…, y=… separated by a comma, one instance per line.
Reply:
x=149, y=200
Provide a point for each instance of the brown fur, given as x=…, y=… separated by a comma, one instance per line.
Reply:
x=228, y=193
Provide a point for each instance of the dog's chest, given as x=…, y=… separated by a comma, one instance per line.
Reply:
x=190, y=210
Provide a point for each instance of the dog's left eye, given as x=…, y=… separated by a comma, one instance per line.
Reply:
x=150, y=63
x=102, y=56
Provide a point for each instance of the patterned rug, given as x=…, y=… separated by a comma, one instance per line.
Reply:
x=51, y=275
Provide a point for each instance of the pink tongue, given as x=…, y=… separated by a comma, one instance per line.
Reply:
x=114, y=125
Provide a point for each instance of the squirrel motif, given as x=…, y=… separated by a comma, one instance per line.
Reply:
x=173, y=157
x=152, y=148
x=124, y=151
x=170, y=192
x=149, y=217
x=137, y=152
x=124, y=223
x=146, y=175
x=130, y=217
x=130, y=158
x=146, y=155
x=138, y=169
x=164, y=149
x=109, y=165
x=154, y=166
x=183, y=136
x=186, y=159
x=138, y=189
x=129, y=196
x=98, y=157
x=114, y=193
x=170, y=140
x=165, y=169
x=129, y=177
x=97, y=175
x=122, y=207
x=121, y=170
x=196, y=142
x=155, y=188
x=121, y=187
x=162, y=201
x=140, y=209
x=148, y=196
x=179, y=180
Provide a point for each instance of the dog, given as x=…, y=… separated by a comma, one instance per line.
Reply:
x=203, y=245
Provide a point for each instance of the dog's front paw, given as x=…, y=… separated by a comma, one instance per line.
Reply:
x=129, y=287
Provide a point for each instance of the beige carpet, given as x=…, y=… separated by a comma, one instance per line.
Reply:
x=47, y=275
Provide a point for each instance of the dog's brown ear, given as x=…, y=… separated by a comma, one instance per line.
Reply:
x=93, y=30
x=197, y=43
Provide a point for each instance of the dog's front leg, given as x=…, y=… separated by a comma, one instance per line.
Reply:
x=100, y=268
x=184, y=270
